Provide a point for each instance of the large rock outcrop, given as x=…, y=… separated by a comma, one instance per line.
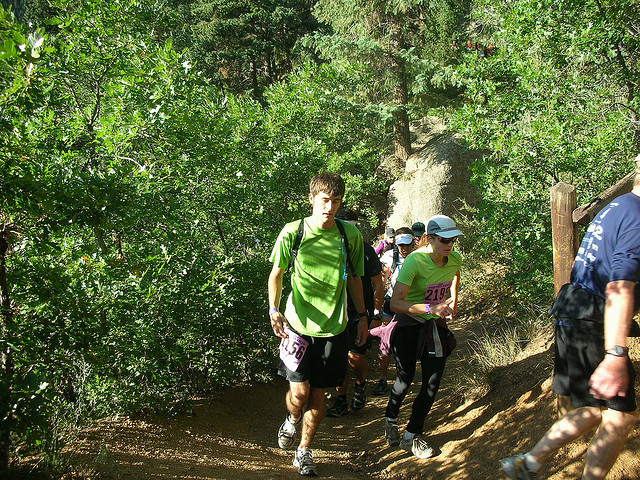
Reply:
x=436, y=178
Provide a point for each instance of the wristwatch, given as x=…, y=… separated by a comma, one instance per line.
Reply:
x=617, y=351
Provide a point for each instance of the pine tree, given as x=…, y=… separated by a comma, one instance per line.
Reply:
x=407, y=43
x=249, y=44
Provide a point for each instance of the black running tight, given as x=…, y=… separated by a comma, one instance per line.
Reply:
x=404, y=346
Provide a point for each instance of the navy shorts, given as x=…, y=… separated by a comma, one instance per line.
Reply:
x=579, y=349
x=324, y=363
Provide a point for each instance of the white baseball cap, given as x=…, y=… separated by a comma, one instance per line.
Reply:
x=442, y=226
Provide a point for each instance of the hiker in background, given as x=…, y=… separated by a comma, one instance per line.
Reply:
x=373, y=294
x=387, y=243
x=391, y=265
x=418, y=231
x=423, y=301
x=593, y=317
x=327, y=259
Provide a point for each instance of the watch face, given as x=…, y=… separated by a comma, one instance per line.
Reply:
x=618, y=351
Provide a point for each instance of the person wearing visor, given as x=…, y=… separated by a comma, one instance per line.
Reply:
x=391, y=265
x=424, y=298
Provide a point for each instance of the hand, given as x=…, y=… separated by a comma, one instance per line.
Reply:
x=610, y=379
x=376, y=321
x=278, y=324
x=363, y=331
x=443, y=310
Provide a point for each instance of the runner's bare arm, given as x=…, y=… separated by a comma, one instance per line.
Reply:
x=354, y=284
x=399, y=304
x=378, y=292
x=455, y=289
x=278, y=322
x=611, y=379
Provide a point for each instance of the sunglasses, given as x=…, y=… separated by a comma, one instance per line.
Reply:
x=446, y=241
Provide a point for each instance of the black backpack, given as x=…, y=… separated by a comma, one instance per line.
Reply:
x=298, y=240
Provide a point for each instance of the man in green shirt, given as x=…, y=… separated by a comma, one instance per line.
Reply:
x=314, y=344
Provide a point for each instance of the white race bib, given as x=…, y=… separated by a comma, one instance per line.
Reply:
x=292, y=350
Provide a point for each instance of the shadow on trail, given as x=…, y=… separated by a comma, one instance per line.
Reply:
x=232, y=435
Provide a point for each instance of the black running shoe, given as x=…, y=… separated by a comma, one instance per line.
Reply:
x=381, y=387
x=359, y=397
x=339, y=408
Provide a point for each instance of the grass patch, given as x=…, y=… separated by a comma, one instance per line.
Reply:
x=502, y=325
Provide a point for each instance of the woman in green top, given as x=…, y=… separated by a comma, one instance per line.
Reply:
x=424, y=296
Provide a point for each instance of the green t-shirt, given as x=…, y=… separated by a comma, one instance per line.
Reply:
x=316, y=305
x=427, y=282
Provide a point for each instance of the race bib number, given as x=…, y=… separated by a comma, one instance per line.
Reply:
x=292, y=350
x=437, y=293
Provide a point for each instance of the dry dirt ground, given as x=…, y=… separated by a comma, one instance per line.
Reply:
x=232, y=435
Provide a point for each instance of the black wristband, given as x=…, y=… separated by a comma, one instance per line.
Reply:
x=363, y=314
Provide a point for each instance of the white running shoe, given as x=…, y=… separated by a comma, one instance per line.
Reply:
x=303, y=461
x=286, y=432
x=418, y=447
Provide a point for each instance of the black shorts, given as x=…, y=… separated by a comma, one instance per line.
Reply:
x=352, y=327
x=324, y=363
x=579, y=349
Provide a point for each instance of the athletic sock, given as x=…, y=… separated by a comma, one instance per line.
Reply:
x=531, y=463
x=293, y=420
x=408, y=436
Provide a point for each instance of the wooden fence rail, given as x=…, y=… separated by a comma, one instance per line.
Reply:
x=565, y=218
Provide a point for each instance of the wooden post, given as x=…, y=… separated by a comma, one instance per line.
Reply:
x=564, y=232
x=587, y=212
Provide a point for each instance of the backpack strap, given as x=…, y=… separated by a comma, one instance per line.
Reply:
x=298, y=241
x=296, y=244
x=346, y=245
x=396, y=258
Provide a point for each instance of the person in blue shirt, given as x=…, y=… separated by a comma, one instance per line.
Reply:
x=593, y=316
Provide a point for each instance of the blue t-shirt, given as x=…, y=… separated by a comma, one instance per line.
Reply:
x=610, y=249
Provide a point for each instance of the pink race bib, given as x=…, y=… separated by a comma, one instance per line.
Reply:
x=292, y=350
x=437, y=293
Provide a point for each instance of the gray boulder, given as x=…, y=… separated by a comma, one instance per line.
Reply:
x=436, y=178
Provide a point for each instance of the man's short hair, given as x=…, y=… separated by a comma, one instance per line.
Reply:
x=328, y=182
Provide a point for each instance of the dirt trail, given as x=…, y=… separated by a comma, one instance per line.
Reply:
x=232, y=435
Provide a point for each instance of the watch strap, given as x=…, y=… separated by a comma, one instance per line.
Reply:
x=617, y=351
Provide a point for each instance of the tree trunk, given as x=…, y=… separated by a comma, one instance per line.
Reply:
x=401, y=136
x=6, y=360
x=268, y=60
x=254, y=78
